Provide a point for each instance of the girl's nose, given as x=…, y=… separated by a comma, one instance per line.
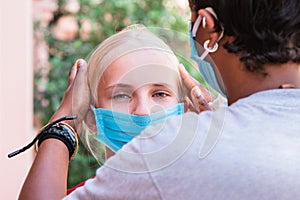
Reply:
x=140, y=106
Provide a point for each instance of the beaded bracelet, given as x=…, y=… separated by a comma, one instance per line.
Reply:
x=62, y=132
x=57, y=130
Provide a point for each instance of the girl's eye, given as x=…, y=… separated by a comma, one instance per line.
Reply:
x=161, y=94
x=121, y=96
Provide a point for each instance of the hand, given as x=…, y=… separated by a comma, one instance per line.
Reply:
x=199, y=96
x=77, y=96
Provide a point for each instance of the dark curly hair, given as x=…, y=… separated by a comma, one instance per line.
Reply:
x=265, y=31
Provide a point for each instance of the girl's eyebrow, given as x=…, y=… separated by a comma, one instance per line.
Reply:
x=166, y=85
x=123, y=86
x=119, y=85
x=161, y=84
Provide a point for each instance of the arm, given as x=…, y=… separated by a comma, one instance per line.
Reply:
x=47, y=178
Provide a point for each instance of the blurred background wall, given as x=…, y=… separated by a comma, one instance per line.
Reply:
x=16, y=90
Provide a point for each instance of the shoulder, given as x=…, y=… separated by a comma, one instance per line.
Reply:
x=159, y=146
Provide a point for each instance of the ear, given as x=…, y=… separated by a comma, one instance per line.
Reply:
x=209, y=24
x=89, y=120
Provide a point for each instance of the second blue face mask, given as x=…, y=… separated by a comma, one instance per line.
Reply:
x=116, y=129
x=205, y=67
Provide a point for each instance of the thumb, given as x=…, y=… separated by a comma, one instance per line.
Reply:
x=81, y=92
x=81, y=71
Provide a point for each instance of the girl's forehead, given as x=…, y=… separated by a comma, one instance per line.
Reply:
x=143, y=67
x=141, y=75
x=148, y=56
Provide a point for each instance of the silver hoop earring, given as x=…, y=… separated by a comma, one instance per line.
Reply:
x=210, y=50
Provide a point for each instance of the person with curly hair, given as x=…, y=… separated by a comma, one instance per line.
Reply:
x=246, y=150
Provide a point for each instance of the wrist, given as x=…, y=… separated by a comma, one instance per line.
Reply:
x=60, y=131
x=52, y=145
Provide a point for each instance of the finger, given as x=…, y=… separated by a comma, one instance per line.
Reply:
x=81, y=63
x=191, y=83
x=81, y=71
x=73, y=71
x=188, y=80
x=191, y=106
x=81, y=96
x=199, y=101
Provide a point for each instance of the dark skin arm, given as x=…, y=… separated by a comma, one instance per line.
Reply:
x=47, y=178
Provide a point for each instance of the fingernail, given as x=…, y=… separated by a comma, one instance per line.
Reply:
x=203, y=103
x=182, y=67
x=80, y=62
x=197, y=92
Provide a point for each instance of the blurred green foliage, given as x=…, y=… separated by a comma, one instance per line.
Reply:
x=107, y=17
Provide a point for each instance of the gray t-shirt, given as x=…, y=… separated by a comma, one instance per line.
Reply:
x=250, y=150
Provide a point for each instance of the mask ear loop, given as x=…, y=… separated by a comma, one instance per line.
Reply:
x=216, y=45
x=196, y=26
x=205, y=45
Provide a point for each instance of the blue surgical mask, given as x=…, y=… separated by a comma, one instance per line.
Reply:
x=205, y=68
x=116, y=129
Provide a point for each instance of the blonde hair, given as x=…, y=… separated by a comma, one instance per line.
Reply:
x=133, y=38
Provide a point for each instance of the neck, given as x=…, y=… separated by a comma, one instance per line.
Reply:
x=279, y=76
